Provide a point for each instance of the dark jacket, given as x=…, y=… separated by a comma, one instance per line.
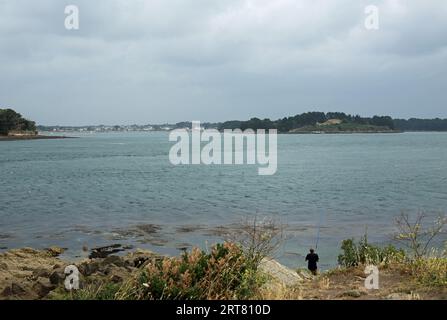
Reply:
x=312, y=259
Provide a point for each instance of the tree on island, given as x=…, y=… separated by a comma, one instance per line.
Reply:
x=11, y=121
x=311, y=120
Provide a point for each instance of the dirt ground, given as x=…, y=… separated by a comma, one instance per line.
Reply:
x=394, y=284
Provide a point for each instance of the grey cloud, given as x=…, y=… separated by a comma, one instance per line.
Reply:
x=156, y=61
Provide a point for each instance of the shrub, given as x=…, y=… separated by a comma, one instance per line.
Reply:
x=225, y=273
x=258, y=238
x=362, y=253
x=416, y=235
x=430, y=271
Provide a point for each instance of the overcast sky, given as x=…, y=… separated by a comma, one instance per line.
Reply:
x=154, y=61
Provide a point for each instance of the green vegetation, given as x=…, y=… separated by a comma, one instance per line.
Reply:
x=11, y=121
x=363, y=253
x=224, y=273
x=342, y=128
x=427, y=270
x=414, y=124
x=92, y=291
x=313, y=121
x=426, y=265
x=309, y=121
x=430, y=271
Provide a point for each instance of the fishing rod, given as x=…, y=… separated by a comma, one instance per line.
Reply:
x=318, y=229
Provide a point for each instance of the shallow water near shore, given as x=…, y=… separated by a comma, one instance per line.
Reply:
x=121, y=188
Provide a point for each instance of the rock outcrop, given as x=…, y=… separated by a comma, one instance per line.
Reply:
x=283, y=274
x=32, y=274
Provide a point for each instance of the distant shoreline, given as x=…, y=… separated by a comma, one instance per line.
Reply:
x=37, y=137
x=49, y=137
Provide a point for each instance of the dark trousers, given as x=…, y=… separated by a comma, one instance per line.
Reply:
x=314, y=271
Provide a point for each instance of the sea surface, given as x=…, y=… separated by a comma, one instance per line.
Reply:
x=108, y=188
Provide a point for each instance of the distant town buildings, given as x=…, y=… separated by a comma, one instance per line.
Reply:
x=121, y=128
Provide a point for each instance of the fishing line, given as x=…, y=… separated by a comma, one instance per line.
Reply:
x=318, y=229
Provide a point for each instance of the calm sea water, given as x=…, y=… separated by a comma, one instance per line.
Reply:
x=96, y=189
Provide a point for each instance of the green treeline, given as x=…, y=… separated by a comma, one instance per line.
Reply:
x=312, y=119
x=309, y=119
x=13, y=121
x=414, y=124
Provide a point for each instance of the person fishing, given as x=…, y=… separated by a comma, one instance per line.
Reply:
x=312, y=259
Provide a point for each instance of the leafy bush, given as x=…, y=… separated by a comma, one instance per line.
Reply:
x=362, y=253
x=431, y=271
x=225, y=273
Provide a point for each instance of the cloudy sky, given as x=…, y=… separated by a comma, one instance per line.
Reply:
x=154, y=61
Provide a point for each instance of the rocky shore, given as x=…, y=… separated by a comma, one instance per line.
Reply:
x=31, y=137
x=33, y=274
